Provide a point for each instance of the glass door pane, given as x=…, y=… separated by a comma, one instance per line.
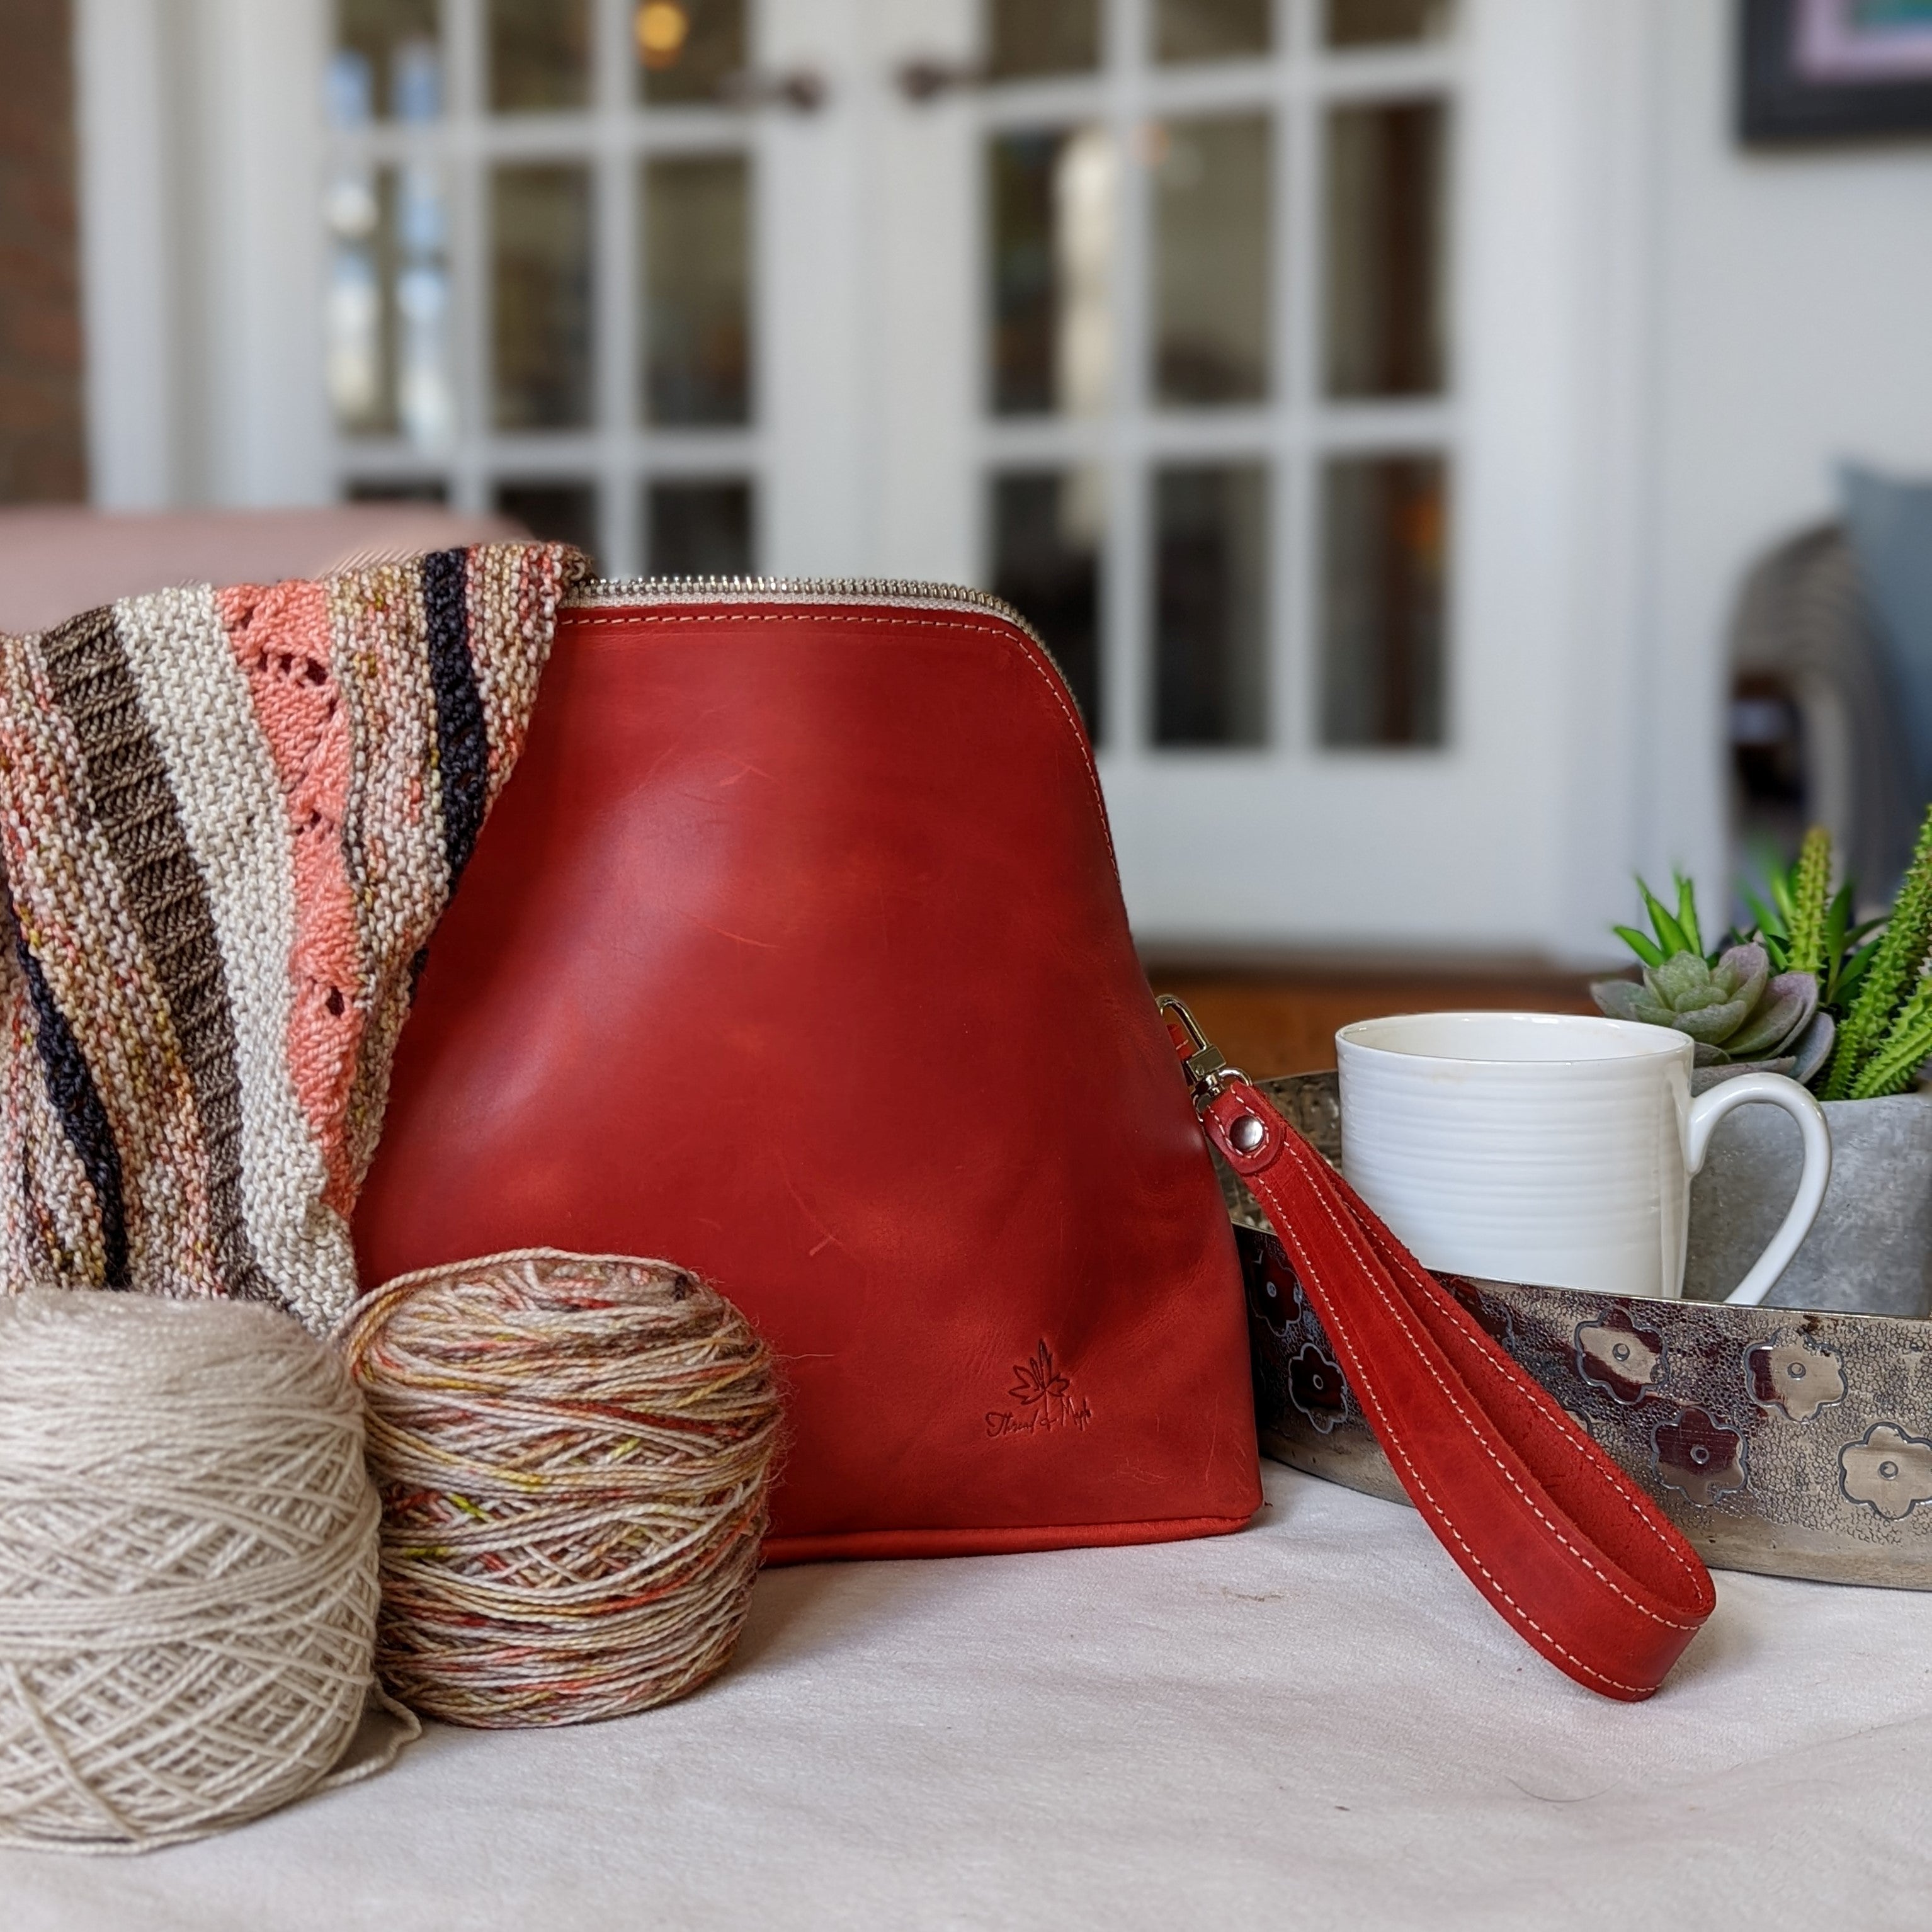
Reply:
x=1384, y=543
x=389, y=305
x=1029, y=37
x=696, y=297
x=1368, y=23
x=539, y=54
x=387, y=64
x=698, y=529
x=362, y=301
x=1051, y=196
x=560, y=512
x=541, y=296
x=1048, y=528
x=1210, y=605
x=1211, y=261
x=1386, y=326
x=1194, y=30
x=688, y=50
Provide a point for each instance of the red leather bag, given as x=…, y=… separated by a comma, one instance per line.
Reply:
x=794, y=950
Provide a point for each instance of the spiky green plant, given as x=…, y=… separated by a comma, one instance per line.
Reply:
x=1906, y=1048
x=1881, y=1024
x=1806, y=927
x=1810, y=893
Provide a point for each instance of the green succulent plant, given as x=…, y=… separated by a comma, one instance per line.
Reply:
x=1738, y=1011
x=1807, y=990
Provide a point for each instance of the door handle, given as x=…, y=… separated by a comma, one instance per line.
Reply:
x=802, y=89
x=926, y=77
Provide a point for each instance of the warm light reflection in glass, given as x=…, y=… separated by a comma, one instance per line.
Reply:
x=663, y=27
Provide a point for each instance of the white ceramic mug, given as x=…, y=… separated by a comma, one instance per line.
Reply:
x=1553, y=1148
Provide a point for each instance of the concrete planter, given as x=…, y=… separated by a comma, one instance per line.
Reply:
x=1870, y=1251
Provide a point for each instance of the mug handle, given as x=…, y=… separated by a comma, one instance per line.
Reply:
x=1741, y=1090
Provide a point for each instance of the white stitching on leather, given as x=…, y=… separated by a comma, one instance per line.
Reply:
x=1515, y=1610
x=1402, y=1320
x=1597, y=1462
x=1401, y=1317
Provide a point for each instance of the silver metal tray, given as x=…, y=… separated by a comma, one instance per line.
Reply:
x=1793, y=1442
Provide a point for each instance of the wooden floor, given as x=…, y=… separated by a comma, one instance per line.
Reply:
x=1283, y=1021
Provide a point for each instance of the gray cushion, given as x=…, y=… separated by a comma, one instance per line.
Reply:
x=1890, y=521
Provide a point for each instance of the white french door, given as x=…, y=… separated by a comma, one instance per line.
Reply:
x=1238, y=342
x=1173, y=300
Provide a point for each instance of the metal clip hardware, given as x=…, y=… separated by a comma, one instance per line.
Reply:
x=1206, y=1065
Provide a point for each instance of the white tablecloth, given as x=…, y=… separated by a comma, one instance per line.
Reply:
x=1316, y=1723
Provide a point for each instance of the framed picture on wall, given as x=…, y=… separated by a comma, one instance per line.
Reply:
x=1834, y=70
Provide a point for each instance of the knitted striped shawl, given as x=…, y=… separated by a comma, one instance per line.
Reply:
x=230, y=821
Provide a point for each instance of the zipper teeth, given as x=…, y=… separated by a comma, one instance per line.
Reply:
x=906, y=593
x=764, y=590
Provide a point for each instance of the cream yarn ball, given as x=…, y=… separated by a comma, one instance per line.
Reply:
x=188, y=1567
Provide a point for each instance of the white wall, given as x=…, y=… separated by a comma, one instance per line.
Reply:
x=1791, y=316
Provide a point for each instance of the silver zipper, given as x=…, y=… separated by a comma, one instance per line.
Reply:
x=897, y=593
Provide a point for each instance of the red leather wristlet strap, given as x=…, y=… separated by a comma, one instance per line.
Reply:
x=1550, y=1530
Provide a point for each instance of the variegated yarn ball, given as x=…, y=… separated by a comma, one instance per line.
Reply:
x=575, y=1453
x=188, y=1567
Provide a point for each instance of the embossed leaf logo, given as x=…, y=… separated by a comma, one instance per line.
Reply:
x=1037, y=1380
